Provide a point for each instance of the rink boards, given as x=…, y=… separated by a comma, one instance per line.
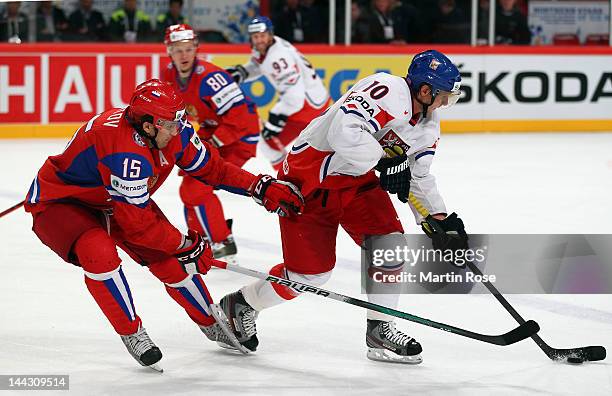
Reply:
x=48, y=90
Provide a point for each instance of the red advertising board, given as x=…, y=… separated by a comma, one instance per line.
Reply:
x=44, y=87
x=20, y=89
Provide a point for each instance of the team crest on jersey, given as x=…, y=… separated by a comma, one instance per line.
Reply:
x=138, y=139
x=391, y=139
x=199, y=69
x=152, y=181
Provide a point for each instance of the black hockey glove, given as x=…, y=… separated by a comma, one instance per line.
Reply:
x=238, y=73
x=274, y=126
x=446, y=234
x=395, y=176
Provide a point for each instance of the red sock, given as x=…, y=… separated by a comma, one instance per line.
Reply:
x=105, y=280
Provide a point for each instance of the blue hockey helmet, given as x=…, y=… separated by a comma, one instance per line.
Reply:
x=433, y=68
x=260, y=24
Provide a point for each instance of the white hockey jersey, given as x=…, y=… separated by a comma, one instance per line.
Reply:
x=347, y=140
x=292, y=76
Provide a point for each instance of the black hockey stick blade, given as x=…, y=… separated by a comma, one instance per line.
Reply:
x=517, y=334
x=584, y=354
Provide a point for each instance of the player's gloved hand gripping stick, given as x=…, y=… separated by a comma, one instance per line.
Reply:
x=195, y=255
x=395, y=174
x=277, y=196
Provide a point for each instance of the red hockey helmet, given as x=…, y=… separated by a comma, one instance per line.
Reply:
x=180, y=33
x=160, y=102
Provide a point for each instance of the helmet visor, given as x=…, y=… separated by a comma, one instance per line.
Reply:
x=448, y=99
x=178, y=125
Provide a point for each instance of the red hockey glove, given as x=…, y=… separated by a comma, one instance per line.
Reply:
x=196, y=257
x=280, y=197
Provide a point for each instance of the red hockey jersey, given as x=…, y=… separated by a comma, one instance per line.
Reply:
x=216, y=102
x=108, y=165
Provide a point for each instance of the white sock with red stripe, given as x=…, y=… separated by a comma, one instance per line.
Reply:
x=262, y=294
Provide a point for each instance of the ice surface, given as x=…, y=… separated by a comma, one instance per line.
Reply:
x=515, y=183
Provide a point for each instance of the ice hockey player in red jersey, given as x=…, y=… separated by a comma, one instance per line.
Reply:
x=226, y=118
x=96, y=196
x=302, y=95
x=333, y=162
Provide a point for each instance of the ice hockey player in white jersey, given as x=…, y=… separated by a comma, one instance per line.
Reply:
x=333, y=163
x=302, y=94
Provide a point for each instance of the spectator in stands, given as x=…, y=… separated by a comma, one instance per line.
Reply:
x=316, y=22
x=450, y=23
x=358, y=29
x=87, y=24
x=510, y=24
x=379, y=24
x=410, y=22
x=173, y=16
x=300, y=23
x=426, y=13
x=51, y=22
x=13, y=24
x=130, y=24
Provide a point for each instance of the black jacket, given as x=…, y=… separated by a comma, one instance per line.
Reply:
x=91, y=27
x=17, y=26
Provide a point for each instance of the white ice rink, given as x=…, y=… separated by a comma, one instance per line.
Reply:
x=521, y=183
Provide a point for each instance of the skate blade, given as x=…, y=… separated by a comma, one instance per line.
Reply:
x=156, y=367
x=384, y=355
x=221, y=318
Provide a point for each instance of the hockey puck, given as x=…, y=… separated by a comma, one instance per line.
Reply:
x=575, y=360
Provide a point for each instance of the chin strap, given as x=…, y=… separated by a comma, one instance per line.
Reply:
x=151, y=139
x=425, y=105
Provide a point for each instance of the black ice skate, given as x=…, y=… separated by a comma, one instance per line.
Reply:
x=221, y=332
x=226, y=250
x=387, y=344
x=142, y=348
x=241, y=318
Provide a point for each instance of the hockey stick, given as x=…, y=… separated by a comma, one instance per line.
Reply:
x=572, y=355
x=12, y=208
x=515, y=335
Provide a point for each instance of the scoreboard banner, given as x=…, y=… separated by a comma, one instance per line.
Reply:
x=48, y=90
x=582, y=18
